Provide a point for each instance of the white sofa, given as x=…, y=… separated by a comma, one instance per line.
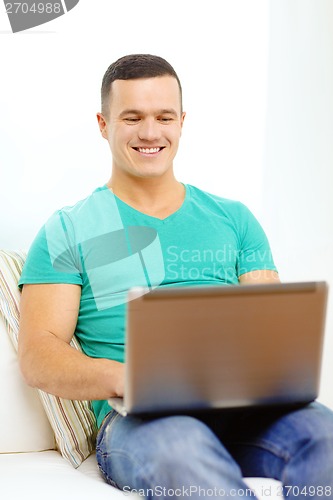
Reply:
x=30, y=465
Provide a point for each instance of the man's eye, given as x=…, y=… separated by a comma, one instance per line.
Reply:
x=132, y=120
x=165, y=119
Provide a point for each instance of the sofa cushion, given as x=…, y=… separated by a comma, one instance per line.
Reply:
x=73, y=422
x=47, y=475
x=24, y=425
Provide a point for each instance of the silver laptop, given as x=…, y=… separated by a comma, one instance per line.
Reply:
x=199, y=348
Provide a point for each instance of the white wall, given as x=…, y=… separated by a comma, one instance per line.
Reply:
x=51, y=153
x=298, y=177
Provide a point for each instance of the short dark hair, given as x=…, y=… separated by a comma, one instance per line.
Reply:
x=132, y=67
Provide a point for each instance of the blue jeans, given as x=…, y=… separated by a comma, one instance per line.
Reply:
x=207, y=456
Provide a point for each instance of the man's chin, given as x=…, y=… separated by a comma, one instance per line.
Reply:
x=150, y=173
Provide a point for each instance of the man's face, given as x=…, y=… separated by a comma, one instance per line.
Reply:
x=143, y=126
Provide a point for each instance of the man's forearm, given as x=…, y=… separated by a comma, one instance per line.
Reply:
x=57, y=368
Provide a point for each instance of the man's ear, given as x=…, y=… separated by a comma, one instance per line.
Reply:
x=102, y=124
x=182, y=118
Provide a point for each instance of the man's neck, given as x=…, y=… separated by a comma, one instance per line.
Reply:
x=154, y=196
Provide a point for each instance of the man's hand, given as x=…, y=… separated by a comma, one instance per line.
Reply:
x=48, y=319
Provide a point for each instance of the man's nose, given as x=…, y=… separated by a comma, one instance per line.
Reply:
x=149, y=130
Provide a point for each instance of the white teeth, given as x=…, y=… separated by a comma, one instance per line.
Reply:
x=149, y=150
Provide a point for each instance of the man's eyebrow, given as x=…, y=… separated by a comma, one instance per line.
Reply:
x=169, y=111
x=130, y=112
x=133, y=111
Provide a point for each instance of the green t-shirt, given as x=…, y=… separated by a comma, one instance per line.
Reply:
x=107, y=247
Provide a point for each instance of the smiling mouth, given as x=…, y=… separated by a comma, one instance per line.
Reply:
x=149, y=151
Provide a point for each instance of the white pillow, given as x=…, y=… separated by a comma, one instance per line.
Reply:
x=73, y=422
x=24, y=426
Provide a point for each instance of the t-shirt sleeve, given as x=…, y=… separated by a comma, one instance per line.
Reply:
x=53, y=256
x=255, y=252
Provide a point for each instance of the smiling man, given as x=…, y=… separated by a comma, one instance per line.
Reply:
x=145, y=228
x=142, y=121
